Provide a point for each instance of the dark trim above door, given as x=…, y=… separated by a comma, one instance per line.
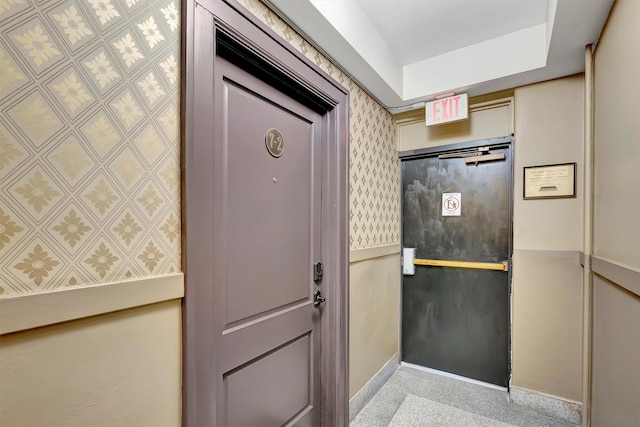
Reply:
x=443, y=149
x=227, y=29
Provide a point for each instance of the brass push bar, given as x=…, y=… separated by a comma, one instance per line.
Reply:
x=503, y=266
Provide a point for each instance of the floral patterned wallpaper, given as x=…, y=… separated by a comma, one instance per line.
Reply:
x=89, y=142
x=374, y=187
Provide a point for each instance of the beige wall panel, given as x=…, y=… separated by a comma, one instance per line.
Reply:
x=547, y=323
x=547, y=277
x=374, y=317
x=549, y=129
x=119, y=369
x=616, y=352
x=617, y=137
x=482, y=124
x=616, y=315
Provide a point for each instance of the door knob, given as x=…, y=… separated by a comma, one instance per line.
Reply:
x=318, y=298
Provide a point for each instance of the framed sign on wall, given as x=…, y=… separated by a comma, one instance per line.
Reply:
x=550, y=181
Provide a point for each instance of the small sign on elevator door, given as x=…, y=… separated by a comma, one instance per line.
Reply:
x=451, y=204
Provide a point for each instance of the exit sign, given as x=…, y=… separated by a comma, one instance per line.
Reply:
x=446, y=110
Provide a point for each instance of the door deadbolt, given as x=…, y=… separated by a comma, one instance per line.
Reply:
x=318, y=298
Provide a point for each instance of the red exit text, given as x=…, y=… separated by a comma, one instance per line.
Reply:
x=447, y=110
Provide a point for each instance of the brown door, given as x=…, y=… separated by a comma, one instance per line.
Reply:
x=265, y=200
x=267, y=238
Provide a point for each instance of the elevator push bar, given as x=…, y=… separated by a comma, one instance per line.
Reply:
x=409, y=262
x=502, y=266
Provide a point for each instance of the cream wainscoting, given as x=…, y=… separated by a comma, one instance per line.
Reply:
x=116, y=369
x=374, y=324
x=100, y=355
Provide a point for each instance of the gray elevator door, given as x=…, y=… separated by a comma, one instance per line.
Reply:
x=457, y=319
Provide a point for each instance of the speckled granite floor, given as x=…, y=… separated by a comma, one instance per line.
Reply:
x=414, y=398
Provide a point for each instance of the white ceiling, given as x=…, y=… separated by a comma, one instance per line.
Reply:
x=407, y=51
x=416, y=30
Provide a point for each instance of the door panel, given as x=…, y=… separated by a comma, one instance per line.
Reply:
x=276, y=384
x=454, y=319
x=268, y=206
x=266, y=239
x=248, y=341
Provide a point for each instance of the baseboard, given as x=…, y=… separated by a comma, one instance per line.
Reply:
x=361, y=398
x=547, y=405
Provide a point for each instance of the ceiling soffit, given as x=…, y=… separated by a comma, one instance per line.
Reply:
x=408, y=51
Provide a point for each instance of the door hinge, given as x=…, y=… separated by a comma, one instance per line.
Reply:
x=317, y=272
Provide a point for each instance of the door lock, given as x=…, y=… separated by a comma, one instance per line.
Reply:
x=317, y=272
x=318, y=298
